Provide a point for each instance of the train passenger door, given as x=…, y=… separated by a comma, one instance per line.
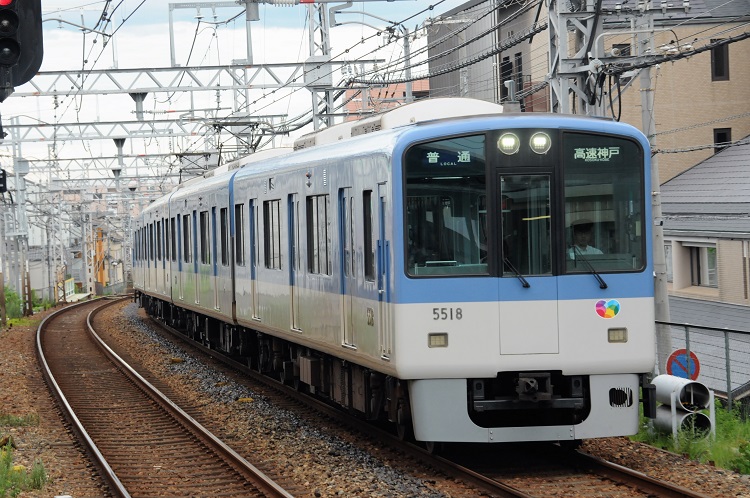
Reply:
x=346, y=244
x=254, y=256
x=214, y=259
x=293, y=205
x=528, y=290
x=196, y=257
x=179, y=256
x=383, y=271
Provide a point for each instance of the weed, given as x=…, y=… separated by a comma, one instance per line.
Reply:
x=14, y=479
x=16, y=421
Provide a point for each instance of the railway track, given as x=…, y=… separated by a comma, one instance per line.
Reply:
x=549, y=470
x=508, y=470
x=141, y=442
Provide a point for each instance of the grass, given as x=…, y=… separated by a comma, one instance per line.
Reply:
x=16, y=421
x=15, y=478
x=730, y=450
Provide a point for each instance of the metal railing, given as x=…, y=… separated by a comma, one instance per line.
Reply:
x=723, y=357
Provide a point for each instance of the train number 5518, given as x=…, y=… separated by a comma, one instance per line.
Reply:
x=447, y=313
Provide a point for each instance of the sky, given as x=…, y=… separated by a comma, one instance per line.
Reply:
x=142, y=40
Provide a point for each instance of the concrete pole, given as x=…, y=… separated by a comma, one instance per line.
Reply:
x=661, y=301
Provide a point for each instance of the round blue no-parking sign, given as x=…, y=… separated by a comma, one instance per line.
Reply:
x=680, y=365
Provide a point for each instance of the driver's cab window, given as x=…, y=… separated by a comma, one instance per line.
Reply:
x=604, y=226
x=526, y=224
x=446, y=208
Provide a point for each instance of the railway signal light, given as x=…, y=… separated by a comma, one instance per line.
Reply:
x=3, y=181
x=21, y=46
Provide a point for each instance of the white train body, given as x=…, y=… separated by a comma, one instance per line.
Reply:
x=423, y=275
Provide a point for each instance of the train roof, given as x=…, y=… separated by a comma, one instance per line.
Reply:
x=415, y=112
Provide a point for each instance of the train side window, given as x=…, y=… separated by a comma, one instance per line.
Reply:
x=158, y=241
x=167, y=236
x=368, y=227
x=151, y=241
x=318, y=238
x=604, y=183
x=445, y=183
x=224, y=228
x=173, y=239
x=272, y=234
x=205, y=249
x=186, y=245
x=239, y=234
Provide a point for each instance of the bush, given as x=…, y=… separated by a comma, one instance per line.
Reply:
x=13, y=304
x=730, y=450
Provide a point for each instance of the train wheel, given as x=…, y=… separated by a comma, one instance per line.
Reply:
x=404, y=429
x=571, y=444
x=433, y=447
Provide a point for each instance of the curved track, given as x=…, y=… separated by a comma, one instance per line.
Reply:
x=143, y=444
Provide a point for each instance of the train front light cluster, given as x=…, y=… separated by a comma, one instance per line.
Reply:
x=540, y=143
x=437, y=340
x=510, y=144
x=619, y=334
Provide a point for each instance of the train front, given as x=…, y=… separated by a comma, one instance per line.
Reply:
x=523, y=298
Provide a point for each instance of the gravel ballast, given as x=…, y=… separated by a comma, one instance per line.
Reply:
x=323, y=461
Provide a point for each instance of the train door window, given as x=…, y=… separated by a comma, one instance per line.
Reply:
x=445, y=185
x=158, y=241
x=318, y=238
x=205, y=238
x=239, y=234
x=272, y=233
x=368, y=227
x=604, y=204
x=167, y=236
x=151, y=241
x=173, y=238
x=186, y=242
x=224, y=229
x=526, y=224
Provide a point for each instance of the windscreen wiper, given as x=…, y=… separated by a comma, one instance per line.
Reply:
x=518, y=273
x=602, y=283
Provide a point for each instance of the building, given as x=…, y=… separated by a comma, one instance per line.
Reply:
x=707, y=240
x=701, y=96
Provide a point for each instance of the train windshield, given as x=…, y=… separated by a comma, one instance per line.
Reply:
x=575, y=207
x=446, y=207
x=603, y=184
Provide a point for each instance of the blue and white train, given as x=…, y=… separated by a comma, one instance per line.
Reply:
x=421, y=267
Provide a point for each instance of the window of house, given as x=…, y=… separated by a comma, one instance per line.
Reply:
x=668, y=260
x=722, y=137
x=720, y=62
x=703, y=265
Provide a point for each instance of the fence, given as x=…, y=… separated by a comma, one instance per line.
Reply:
x=723, y=357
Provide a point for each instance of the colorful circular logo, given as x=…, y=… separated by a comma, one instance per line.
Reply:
x=608, y=309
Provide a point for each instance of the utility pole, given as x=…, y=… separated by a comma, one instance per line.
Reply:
x=661, y=299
